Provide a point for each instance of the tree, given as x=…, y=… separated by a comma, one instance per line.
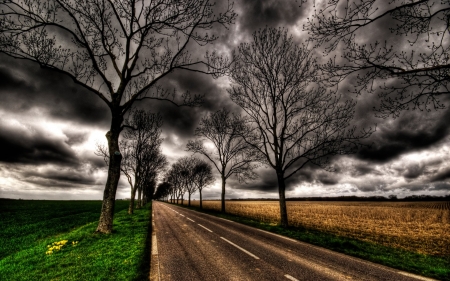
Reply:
x=118, y=50
x=178, y=176
x=231, y=154
x=142, y=159
x=163, y=191
x=202, y=177
x=412, y=69
x=292, y=120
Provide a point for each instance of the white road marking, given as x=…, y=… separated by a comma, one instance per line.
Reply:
x=190, y=219
x=290, y=277
x=206, y=228
x=242, y=249
x=284, y=237
x=181, y=215
x=415, y=276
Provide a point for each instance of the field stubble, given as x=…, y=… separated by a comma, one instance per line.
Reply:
x=422, y=227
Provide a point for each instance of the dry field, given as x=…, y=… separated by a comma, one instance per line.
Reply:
x=422, y=227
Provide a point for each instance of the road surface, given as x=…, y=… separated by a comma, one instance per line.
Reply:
x=193, y=246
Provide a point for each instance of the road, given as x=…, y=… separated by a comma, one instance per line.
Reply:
x=194, y=246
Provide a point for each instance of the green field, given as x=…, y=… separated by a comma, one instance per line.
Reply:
x=27, y=228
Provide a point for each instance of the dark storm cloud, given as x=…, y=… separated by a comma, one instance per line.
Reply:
x=413, y=171
x=417, y=187
x=60, y=177
x=412, y=131
x=442, y=176
x=272, y=13
x=31, y=146
x=372, y=185
x=182, y=120
x=26, y=86
x=362, y=169
x=327, y=178
x=441, y=186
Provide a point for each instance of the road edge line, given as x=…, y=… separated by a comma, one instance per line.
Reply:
x=154, y=263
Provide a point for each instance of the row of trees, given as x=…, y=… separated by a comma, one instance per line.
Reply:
x=188, y=174
x=119, y=50
x=291, y=119
x=142, y=159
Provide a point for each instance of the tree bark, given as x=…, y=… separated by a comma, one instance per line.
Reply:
x=139, y=201
x=189, y=202
x=201, y=206
x=222, y=209
x=281, y=191
x=131, y=206
x=105, y=223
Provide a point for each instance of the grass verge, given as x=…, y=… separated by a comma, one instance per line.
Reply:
x=122, y=255
x=425, y=265
x=24, y=222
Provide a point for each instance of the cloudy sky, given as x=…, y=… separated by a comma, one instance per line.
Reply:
x=49, y=128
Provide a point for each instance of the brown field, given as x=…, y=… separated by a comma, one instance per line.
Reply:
x=422, y=227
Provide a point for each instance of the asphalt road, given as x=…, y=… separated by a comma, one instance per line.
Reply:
x=193, y=246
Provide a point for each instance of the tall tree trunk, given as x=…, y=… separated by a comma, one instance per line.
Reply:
x=189, y=203
x=131, y=206
x=201, y=206
x=281, y=191
x=222, y=209
x=139, y=201
x=105, y=223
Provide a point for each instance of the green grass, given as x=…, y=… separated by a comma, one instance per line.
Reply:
x=426, y=265
x=122, y=255
x=23, y=222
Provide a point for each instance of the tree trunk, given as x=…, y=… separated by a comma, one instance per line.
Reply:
x=222, y=209
x=201, y=206
x=281, y=190
x=105, y=223
x=131, y=206
x=139, y=201
x=189, y=202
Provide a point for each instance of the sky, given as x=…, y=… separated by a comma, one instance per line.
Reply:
x=49, y=128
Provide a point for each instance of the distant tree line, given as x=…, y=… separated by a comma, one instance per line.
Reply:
x=187, y=175
x=356, y=198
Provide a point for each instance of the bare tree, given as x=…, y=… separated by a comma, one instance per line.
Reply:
x=163, y=191
x=231, y=155
x=176, y=177
x=186, y=166
x=142, y=159
x=202, y=177
x=292, y=120
x=141, y=150
x=118, y=50
x=410, y=70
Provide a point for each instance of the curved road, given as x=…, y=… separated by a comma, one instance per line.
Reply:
x=189, y=245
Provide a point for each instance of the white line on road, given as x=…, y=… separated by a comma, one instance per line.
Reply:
x=290, y=277
x=242, y=249
x=284, y=237
x=181, y=215
x=206, y=228
x=415, y=276
x=190, y=219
